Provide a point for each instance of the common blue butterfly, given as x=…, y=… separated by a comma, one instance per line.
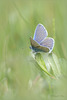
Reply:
x=40, y=42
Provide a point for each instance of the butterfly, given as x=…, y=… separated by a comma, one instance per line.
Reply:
x=40, y=42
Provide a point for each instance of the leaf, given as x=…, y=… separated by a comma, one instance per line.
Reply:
x=41, y=63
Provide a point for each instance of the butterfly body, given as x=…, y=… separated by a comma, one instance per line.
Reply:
x=40, y=42
x=36, y=49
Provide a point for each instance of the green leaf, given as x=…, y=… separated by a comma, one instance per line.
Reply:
x=41, y=63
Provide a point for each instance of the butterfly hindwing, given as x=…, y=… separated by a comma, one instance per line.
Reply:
x=38, y=48
x=48, y=42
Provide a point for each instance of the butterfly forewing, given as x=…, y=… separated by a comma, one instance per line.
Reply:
x=33, y=42
x=40, y=33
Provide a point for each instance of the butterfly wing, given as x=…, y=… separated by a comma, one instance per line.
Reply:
x=38, y=48
x=40, y=33
x=49, y=43
x=34, y=43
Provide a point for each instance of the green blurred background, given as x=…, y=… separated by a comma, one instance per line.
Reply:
x=18, y=20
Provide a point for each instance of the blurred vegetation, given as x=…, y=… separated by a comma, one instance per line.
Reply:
x=18, y=70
